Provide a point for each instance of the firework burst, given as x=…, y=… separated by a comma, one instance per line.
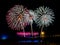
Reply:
x=45, y=16
x=16, y=17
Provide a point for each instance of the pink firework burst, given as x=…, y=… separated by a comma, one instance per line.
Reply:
x=17, y=17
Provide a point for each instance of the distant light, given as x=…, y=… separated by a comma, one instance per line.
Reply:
x=22, y=33
x=27, y=34
x=4, y=37
x=26, y=41
x=42, y=33
x=29, y=41
x=36, y=41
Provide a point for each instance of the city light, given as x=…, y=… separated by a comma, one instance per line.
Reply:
x=4, y=37
x=42, y=34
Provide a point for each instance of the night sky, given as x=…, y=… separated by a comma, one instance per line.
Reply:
x=5, y=5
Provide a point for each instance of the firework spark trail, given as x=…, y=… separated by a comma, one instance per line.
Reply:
x=45, y=17
x=32, y=17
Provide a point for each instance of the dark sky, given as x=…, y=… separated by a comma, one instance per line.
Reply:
x=5, y=5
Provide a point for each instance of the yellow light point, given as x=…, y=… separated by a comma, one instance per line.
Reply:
x=42, y=33
x=20, y=17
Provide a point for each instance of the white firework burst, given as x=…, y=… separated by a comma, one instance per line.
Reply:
x=32, y=16
x=45, y=16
